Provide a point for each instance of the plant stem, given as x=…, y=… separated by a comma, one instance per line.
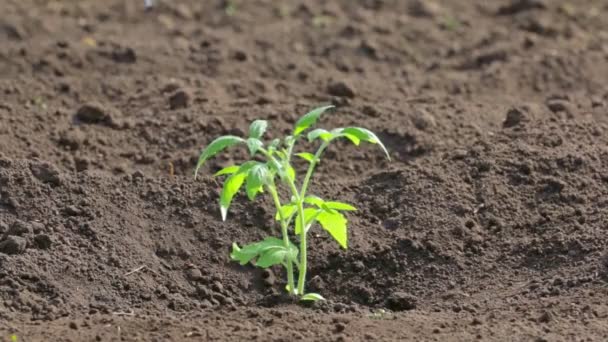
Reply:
x=277, y=202
x=311, y=168
x=303, y=249
x=300, y=198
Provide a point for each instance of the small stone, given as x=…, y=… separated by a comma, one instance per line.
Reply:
x=13, y=245
x=341, y=89
x=3, y=227
x=203, y=292
x=370, y=111
x=72, y=140
x=423, y=120
x=401, y=301
x=217, y=287
x=424, y=8
x=518, y=6
x=240, y=56
x=514, y=118
x=81, y=164
x=228, y=301
x=137, y=175
x=124, y=55
x=72, y=210
x=20, y=228
x=179, y=99
x=13, y=31
x=183, y=11
x=37, y=227
x=73, y=325
x=559, y=105
x=171, y=86
x=206, y=304
x=194, y=274
x=43, y=241
x=476, y=321
x=545, y=317
x=46, y=172
x=369, y=337
x=269, y=277
x=358, y=266
x=95, y=113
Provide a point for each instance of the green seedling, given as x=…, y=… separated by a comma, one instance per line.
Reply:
x=380, y=314
x=296, y=215
x=230, y=8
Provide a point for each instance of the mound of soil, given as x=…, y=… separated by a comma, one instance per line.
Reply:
x=489, y=223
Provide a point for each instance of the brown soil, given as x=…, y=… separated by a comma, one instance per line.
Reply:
x=489, y=224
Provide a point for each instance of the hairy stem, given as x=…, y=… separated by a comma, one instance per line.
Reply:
x=303, y=250
x=289, y=264
x=300, y=197
x=311, y=168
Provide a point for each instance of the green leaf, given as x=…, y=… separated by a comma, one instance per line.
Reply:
x=309, y=216
x=287, y=210
x=309, y=157
x=242, y=255
x=247, y=253
x=288, y=289
x=309, y=119
x=365, y=135
x=257, y=177
x=231, y=187
x=227, y=170
x=338, y=133
x=352, y=138
x=292, y=253
x=291, y=173
x=274, y=144
x=314, y=200
x=257, y=128
x=312, y=297
x=319, y=133
x=339, y=206
x=254, y=144
x=335, y=224
x=214, y=147
x=272, y=256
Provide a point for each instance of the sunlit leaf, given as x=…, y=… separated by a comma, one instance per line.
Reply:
x=339, y=206
x=309, y=215
x=257, y=128
x=257, y=177
x=231, y=187
x=291, y=172
x=314, y=200
x=365, y=135
x=247, y=253
x=274, y=144
x=312, y=297
x=309, y=157
x=214, y=147
x=319, y=133
x=309, y=119
x=339, y=133
x=272, y=256
x=254, y=144
x=335, y=224
x=227, y=170
x=286, y=211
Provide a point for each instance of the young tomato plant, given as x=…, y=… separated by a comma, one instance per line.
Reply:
x=297, y=215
